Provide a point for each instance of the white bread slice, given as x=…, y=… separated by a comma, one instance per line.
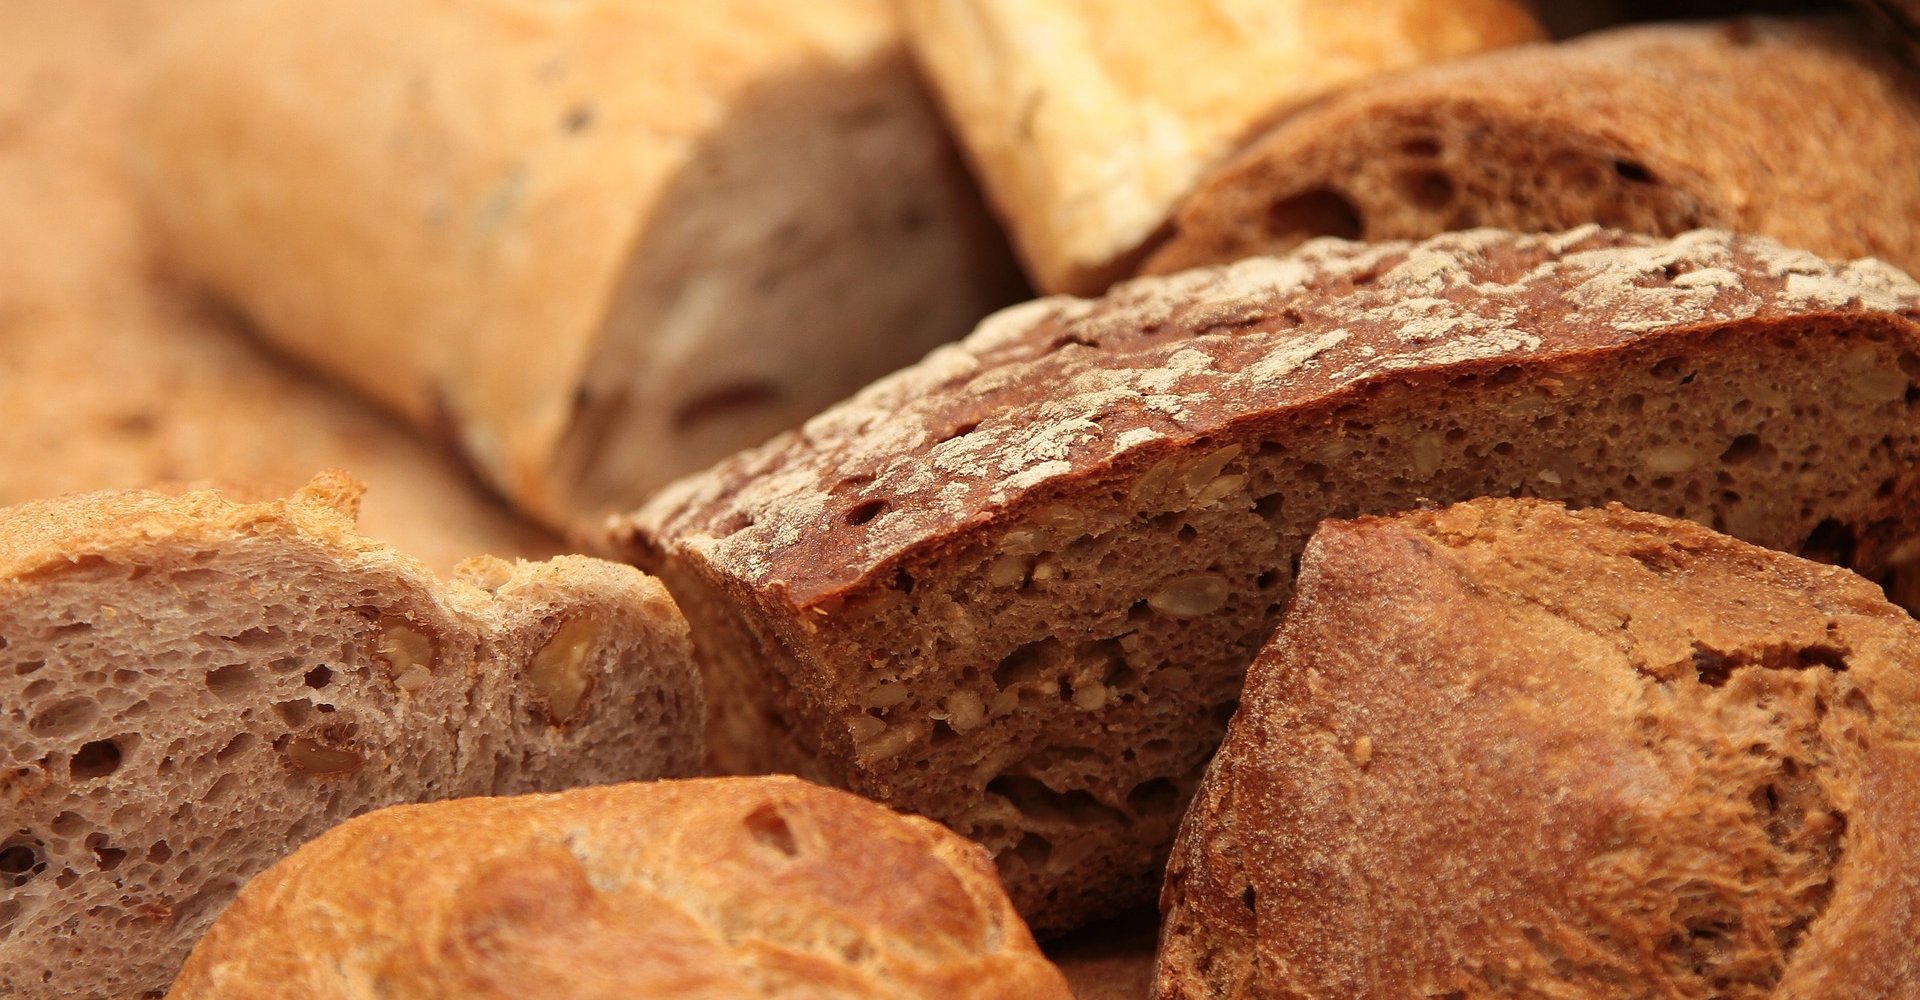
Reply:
x=192, y=686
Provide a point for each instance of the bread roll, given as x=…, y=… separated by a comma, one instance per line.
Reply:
x=1505, y=749
x=1015, y=587
x=1088, y=122
x=761, y=887
x=1803, y=130
x=192, y=685
x=595, y=244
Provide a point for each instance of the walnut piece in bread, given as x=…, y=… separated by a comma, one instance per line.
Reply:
x=191, y=686
x=1087, y=125
x=1015, y=587
x=1802, y=130
x=595, y=244
x=1505, y=749
x=722, y=887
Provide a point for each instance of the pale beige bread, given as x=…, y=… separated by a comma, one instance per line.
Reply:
x=1087, y=121
x=595, y=244
x=108, y=378
x=1803, y=130
x=721, y=887
x=1015, y=587
x=191, y=685
x=1508, y=750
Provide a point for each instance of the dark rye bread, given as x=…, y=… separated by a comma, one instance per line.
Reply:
x=1802, y=130
x=1507, y=750
x=1015, y=587
x=192, y=685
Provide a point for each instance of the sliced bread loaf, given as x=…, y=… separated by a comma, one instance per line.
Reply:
x=191, y=686
x=724, y=887
x=1015, y=586
x=1505, y=749
x=1803, y=130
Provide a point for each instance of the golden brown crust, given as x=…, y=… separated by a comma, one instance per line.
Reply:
x=1657, y=129
x=723, y=887
x=1504, y=749
x=1087, y=127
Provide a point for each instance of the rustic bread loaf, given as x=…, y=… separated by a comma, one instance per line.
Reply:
x=191, y=686
x=1109, y=959
x=1803, y=130
x=108, y=378
x=1900, y=20
x=595, y=244
x=1015, y=587
x=724, y=887
x=1505, y=749
x=1087, y=127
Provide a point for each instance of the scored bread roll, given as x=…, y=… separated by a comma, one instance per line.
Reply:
x=192, y=685
x=1015, y=587
x=1803, y=130
x=1088, y=122
x=1505, y=749
x=595, y=244
x=726, y=887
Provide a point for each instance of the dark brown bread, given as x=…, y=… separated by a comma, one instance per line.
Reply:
x=692, y=890
x=1507, y=750
x=1803, y=130
x=1016, y=586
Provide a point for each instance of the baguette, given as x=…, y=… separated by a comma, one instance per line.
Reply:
x=191, y=686
x=1505, y=749
x=1015, y=587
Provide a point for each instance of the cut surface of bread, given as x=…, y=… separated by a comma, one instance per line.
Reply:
x=723, y=887
x=594, y=245
x=1655, y=129
x=191, y=686
x=1015, y=587
x=1087, y=127
x=1508, y=750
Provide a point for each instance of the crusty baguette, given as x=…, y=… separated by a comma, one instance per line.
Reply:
x=1015, y=586
x=1803, y=130
x=1087, y=121
x=1505, y=749
x=594, y=244
x=191, y=686
x=108, y=378
x=715, y=888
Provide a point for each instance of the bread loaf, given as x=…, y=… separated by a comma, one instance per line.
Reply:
x=1087, y=127
x=594, y=245
x=1505, y=749
x=1015, y=586
x=191, y=686
x=1803, y=130
x=729, y=887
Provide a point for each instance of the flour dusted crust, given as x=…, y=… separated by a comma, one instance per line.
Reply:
x=1507, y=749
x=1654, y=129
x=1088, y=127
x=1015, y=587
x=592, y=245
x=193, y=684
x=730, y=887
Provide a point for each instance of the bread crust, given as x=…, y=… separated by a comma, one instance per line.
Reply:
x=1087, y=127
x=708, y=888
x=1654, y=128
x=1014, y=587
x=1505, y=749
x=192, y=684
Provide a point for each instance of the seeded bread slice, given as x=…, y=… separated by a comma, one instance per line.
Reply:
x=1505, y=749
x=1656, y=129
x=191, y=686
x=1015, y=587
x=716, y=888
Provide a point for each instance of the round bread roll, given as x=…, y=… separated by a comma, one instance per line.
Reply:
x=723, y=887
x=1508, y=750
